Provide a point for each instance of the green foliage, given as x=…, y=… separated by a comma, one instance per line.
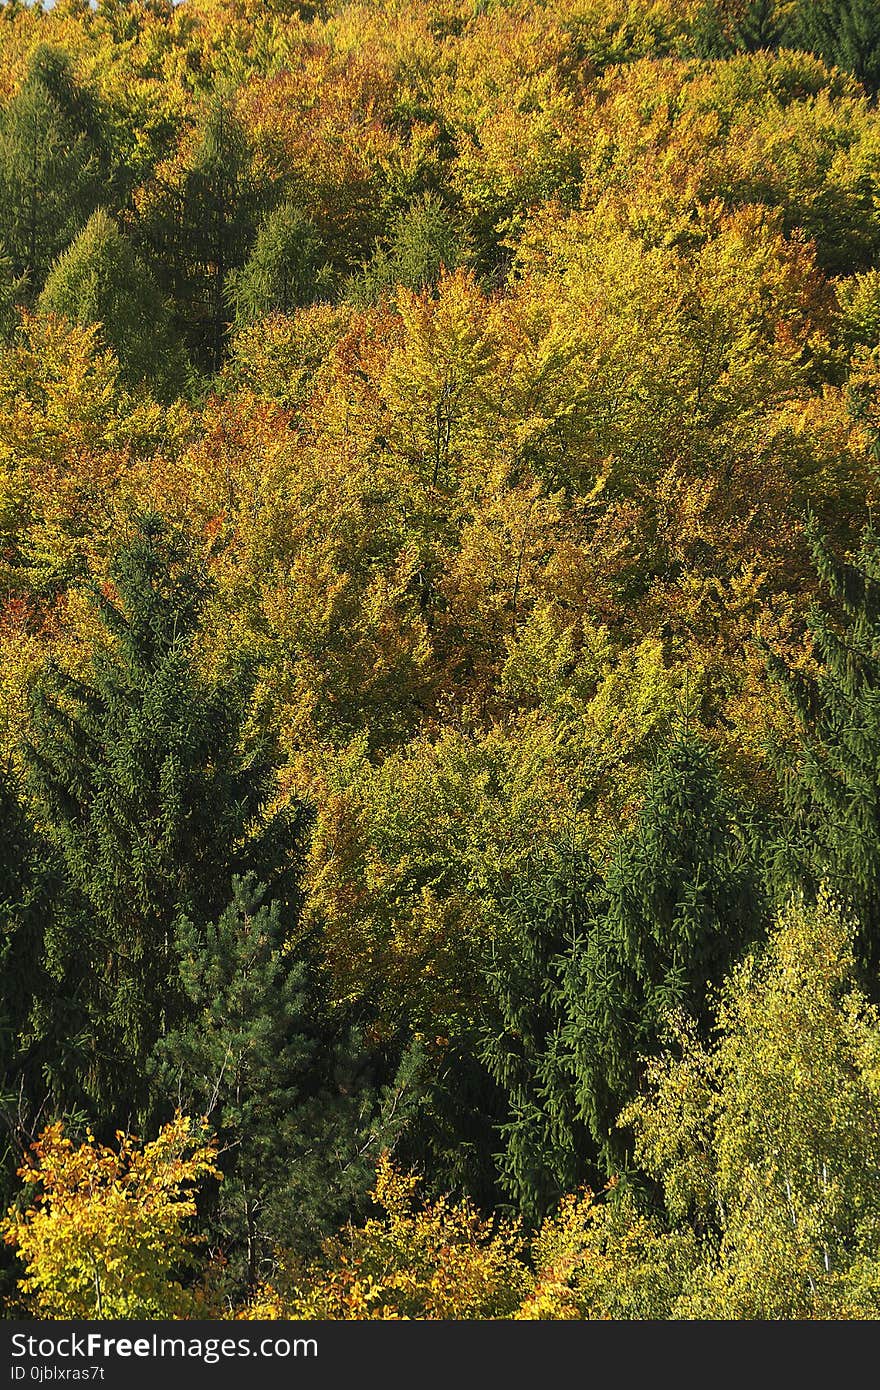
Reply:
x=830, y=775
x=12, y=293
x=293, y=1099
x=150, y=802
x=846, y=33
x=767, y=1141
x=684, y=898
x=50, y=164
x=285, y=270
x=197, y=223
x=859, y=300
x=22, y=907
x=728, y=26
x=545, y=921
x=519, y=340
x=423, y=241
x=101, y=279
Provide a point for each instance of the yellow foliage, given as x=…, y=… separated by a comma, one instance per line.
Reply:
x=441, y=1261
x=109, y=1229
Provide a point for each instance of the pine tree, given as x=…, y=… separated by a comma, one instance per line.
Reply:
x=286, y=269
x=140, y=779
x=831, y=782
x=101, y=279
x=547, y=1150
x=51, y=162
x=684, y=898
x=292, y=1097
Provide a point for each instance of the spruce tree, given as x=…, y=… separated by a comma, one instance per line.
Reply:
x=547, y=1151
x=286, y=269
x=101, y=279
x=831, y=778
x=22, y=905
x=684, y=898
x=723, y=27
x=845, y=33
x=151, y=803
x=51, y=161
x=199, y=231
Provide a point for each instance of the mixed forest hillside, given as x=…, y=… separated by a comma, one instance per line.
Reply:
x=440, y=658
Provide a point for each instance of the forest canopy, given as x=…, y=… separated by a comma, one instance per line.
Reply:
x=439, y=658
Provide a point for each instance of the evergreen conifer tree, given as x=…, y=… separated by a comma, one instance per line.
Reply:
x=152, y=805
x=101, y=279
x=293, y=1098
x=684, y=898
x=723, y=27
x=199, y=231
x=13, y=291
x=845, y=33
x=831, y=781
x=286, y=268
x=424, y=240
x=21, y=953
x=50, y=165
x=546, y=918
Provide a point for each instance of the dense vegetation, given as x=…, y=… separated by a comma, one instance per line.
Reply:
x=440, y=658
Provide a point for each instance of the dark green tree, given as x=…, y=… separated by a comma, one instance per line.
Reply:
x=684, y=898
x=845, y=33
x=151, y=803
x=101, y=279
x=51, y=162
x=831, y=777
x=295, y=1100
x=286, y=269
x=13, y=291
x=547, y=1150
x=723, y=27
x=22, y=905
x=199, y=229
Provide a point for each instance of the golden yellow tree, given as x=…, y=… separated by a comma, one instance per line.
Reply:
x=109, y=1231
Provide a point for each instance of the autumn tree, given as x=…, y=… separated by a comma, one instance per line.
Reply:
x=765, y=1142
x=439, y=1260
x=110, y=1230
